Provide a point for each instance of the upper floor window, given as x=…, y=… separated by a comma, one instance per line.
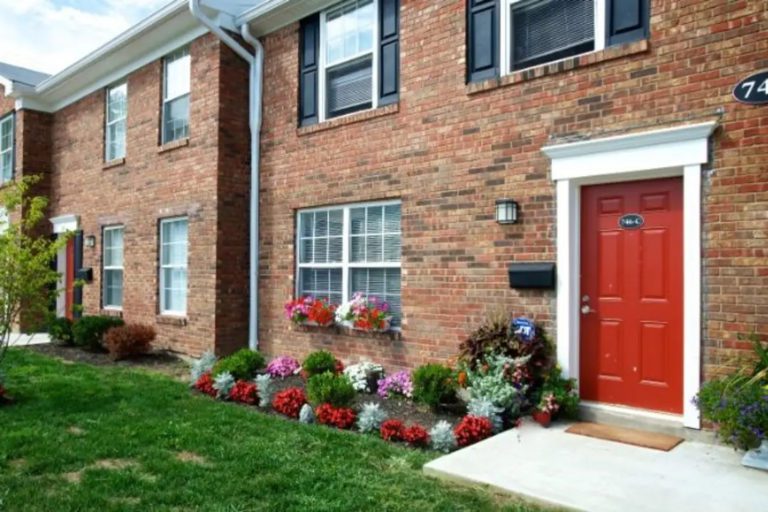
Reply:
x=173, y=266
x=176, y=87
x=3, y=220
x=518, y=34
x=112, y=267
x=7, y=141
x=349, y=59
x=117, y=113
x=345, y=250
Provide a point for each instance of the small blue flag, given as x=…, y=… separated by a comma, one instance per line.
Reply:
x=524, y=328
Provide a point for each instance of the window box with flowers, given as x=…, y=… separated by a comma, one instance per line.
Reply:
x=365, y=314
x=310, y=311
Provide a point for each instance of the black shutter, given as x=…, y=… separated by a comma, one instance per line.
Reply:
x=309, y=56
x=389, y=55
x=626, y=21
x=482, y=39
x=78, y=264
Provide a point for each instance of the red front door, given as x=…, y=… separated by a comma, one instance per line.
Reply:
x=69, y=280
x=631, y=302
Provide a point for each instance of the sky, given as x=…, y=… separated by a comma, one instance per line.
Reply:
x=49, y=35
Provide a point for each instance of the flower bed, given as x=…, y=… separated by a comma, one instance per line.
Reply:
x=505, y=370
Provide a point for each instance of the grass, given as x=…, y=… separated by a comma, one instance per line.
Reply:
x=88, y=438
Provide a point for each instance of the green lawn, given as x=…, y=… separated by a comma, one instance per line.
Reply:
x=87, y=438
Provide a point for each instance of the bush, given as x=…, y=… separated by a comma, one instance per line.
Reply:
x=392, y=430
x=243, y=364
x=340, y=417
x=559, y=396
x=739, y=411
x=472, y=429
x=441, y=437
x=416, y=435
x=244, y=392
x=129, y=340
x=433, y=384
x=289, y=402
x=329, y=388
x=60, y=330
x=371, y=417
x=89, y=331
x=319, y=362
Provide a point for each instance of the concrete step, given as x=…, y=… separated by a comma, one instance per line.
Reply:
x=639, y=419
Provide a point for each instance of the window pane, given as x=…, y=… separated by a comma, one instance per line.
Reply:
x=357, y=218
x=116, y=140
x=321, y=224
x=382, y=283
x=307, y=250
x=307, y=223
x=349, y=87
x=321, y=250
x=392, y=248
x=176, y=119
x=6, y=165
x=117, y=103
x=548, y=30
x=113, y=288
x=321, y=283
x=6, y=133
x=177, y=74
x=175, y=280
x=357, y=249
x=392, y=218
x=349, y=30
x=173, y=258
x=373, y=248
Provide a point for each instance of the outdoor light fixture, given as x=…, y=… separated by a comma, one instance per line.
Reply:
x=90, y=241
x=506, y=211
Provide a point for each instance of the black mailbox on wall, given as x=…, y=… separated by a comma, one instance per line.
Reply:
x=85, y=274
x=532, y=275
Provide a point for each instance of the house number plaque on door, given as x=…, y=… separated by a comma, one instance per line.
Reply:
x=631, y=221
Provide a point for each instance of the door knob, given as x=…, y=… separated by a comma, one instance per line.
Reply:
x=585, y=310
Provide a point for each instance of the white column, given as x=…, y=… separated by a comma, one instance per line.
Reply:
x=567, y=277
x=691, y=293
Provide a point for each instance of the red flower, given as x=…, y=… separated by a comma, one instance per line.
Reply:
x=338, y=367
x=205, y=385
x=244, y=392
x=472, y=429
x=339, y=417
x=392, y=430
x=416, y=435
x=289, y=402
x=321, y=313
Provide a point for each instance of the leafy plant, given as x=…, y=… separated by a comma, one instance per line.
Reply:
x=60, y=330
x=392, y=430
x=416, y=435
x=202, y=366
x=129, y=340
x=243, y=364
x=364, y=376
x=204, y=384
x=494, y=381
x=319, y=362
x=397, y=384
x=306, y=414
x=329, y=388
x=223, y=384
x=370, y=418
x=442, y=438
x=558, y=395
x=472, y=429
x=244, y=392
x=484, y=408
x=433, y=384
x=340, y=417
x=283, y=366
x=89, y=331
x=264, y=383
x=289, y=401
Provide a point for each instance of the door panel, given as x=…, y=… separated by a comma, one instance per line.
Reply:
x=632, y=295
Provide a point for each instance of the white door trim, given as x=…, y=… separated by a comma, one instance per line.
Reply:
x=677, y=151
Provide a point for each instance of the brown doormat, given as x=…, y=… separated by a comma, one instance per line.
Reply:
x=631, y=436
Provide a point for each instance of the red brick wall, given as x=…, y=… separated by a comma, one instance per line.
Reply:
x=448, y=151
x=153, y=184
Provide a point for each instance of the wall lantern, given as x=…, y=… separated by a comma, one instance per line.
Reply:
x=90, y=241
x=506, y=211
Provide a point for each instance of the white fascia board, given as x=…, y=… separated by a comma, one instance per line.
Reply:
x=65, y=223
x=271, y=15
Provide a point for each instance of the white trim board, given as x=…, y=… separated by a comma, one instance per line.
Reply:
x=65, y=223
x=677, y=151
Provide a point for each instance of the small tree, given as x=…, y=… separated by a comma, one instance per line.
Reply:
x=27, y=279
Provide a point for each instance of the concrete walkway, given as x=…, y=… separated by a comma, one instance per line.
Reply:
x=576, y=472
x=20, y=340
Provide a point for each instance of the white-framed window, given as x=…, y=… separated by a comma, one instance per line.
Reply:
x=537, y=32
x=115, y=130
x=112, y=267
x=4, y=220
x=176, y=88
x=173, y=266
x=342, y=250
x=349, y=54
x=7, y=141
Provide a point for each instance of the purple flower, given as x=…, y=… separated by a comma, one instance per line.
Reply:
x=396, y=384
x=283, y=366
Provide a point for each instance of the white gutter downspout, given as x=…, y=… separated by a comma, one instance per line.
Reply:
x=256, y=63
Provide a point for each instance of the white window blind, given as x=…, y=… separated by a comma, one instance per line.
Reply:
x=173, y=266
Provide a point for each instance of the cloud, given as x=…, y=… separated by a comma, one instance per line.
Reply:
x=49, y=35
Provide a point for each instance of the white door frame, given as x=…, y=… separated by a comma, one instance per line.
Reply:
x=677, y=151
x=63, y=224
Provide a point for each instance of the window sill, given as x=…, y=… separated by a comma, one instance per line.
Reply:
x=561, y=66
x=357, y=117
x=394, y=335
x=118, y=313
x=111, y=164
x=170, y=146
x=174, y=320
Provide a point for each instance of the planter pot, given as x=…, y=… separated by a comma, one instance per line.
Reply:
x=372, y=379
x=543, y=418
x=455, y=408
x=757, y=458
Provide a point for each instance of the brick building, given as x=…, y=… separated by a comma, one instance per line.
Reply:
x=390, y=129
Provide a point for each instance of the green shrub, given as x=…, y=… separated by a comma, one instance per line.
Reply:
x=740, y=411
x=88, y=332
x=243, y=364
x=433, y=384
x=329, y=388
x=318, y=363
x=60, y=330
